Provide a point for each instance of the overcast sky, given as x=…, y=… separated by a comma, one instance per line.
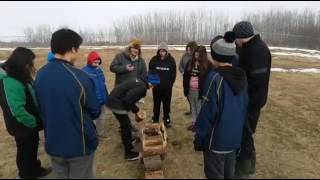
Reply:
x=15, y=16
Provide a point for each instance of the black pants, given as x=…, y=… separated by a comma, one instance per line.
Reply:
x=126, y=136
x=164, y=96
x=27, y=156
x=219, y=166
x=246, y=160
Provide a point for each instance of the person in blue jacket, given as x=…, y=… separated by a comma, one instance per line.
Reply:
x=50, y=57
x=68, y=105
x=220, y=123
x=97, y=75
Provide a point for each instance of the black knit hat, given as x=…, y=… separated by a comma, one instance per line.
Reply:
x=224, y=49
x=243, y=29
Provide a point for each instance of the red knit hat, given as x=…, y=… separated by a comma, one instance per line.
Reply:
x=92, y=57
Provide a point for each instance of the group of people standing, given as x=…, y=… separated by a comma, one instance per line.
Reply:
x=225, y=94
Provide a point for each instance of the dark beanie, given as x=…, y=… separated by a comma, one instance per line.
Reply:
x=224, y=49
x=243, y=29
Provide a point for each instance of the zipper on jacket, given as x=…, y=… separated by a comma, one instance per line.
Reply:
x=218, y=108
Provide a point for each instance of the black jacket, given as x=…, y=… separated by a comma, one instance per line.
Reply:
x=255, y=60
x=166, y=69
x=125, y=95
x=186, y=81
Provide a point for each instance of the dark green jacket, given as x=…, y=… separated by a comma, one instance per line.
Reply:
x=19, y=107
x=119, y=67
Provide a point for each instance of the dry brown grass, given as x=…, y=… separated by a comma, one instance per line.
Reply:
x=287, y=137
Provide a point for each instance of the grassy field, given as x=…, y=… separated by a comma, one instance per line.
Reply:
x=287, y=137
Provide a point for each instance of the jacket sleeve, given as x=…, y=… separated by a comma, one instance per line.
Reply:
x=152, y=66
x=117, y=66
x=181, y=66
x=258, y=80
x=206, y=117
x=174, y=71
x=92, y=106
x=185, y=81
x=16, y=99
x=143, y=68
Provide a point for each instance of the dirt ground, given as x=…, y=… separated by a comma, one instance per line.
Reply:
x=287, y=138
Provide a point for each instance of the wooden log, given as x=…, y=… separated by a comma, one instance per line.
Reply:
x=153, y=141
x=154, y=175
x=153, y=163
x=153, y=150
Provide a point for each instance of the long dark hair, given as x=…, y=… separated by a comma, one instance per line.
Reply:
x=20, y=65
x=203, y=60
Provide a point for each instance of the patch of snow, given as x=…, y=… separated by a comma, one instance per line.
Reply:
x=308, y=70
x=296, y=54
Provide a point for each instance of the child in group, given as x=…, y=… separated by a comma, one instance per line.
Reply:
x=94, y=70
x=220, y=123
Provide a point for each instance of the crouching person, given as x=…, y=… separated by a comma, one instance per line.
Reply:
x=220, y=123
x=122, y=100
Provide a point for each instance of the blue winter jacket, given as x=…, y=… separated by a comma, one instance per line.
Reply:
x=221, y=129
x=98, y=77
x=68, y=105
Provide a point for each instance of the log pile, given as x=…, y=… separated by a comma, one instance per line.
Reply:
x=153, y=138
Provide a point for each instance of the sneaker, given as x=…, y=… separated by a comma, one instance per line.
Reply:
x=155, y=120
x=37, y=173
x=167, y=123
x=43, y=172
x=132, y=156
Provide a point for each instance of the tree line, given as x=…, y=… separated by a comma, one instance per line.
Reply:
x=277, y=27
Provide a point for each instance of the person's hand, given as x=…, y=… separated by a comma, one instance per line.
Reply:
x=151, y=86
x=130, y=67
x=140, y=116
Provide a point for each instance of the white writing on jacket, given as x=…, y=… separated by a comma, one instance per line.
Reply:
x=163, y=68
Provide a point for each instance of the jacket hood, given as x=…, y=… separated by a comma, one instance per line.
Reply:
x=92, y=57
x=235, y=77
x=168, y=56
x=127, y=52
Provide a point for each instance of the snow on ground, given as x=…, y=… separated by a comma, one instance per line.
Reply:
x=309, y=70
x=296, y=54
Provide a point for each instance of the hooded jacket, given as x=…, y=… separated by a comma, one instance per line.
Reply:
x=166, y=69
x=97, y=75
x=19, y=106
x=119, y=67
x=220, y=123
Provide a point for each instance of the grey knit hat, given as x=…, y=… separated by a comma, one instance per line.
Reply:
x=224, y=50
x=164, y=46
x=243, y=29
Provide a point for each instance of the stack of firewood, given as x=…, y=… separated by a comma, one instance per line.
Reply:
x=154, y=142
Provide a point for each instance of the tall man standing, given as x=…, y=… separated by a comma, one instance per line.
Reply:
x=255, y=60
